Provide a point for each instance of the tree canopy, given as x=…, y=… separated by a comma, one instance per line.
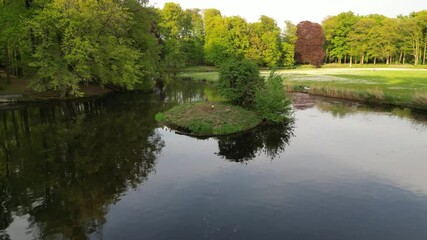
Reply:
x=309, y=45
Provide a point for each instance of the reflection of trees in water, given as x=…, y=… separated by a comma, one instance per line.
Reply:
x=64, y=165
x=345, y=108
x=181, y=91
x=271, y=139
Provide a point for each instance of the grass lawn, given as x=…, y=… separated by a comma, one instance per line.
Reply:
x=396, y=84
x=209, y=118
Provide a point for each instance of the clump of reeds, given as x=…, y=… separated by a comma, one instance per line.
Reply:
x=334, y=92
x=420, y=98
x=289, y=87
x=375, y=95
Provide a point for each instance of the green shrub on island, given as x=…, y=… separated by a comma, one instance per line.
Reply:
x=238, y=81
x=271, y=101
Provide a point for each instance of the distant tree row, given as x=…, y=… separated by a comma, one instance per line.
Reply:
x=199, y=37
x=376, y=38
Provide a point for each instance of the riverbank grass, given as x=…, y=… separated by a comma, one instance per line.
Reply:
x=209, y=118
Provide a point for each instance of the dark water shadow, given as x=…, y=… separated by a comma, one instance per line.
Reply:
x=270, y=139
x=62, y=165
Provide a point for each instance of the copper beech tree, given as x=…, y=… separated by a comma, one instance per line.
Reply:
x=309, y=45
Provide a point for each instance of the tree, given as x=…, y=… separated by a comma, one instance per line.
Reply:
x=309, y=46
x=13, y=16
x=193, y=44
x=383, y=40
x=412, y=32
x=142, y=30
x=337, y=29
x=238, y=81
x=271, y=101
x=225, y=37
x=80, y=42
x=265, y=42
x=173, y=31
x=288, y=44
x=215, y=37
x=421, y=19
x=358, y=39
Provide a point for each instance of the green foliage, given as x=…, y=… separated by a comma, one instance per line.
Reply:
x=238, y=81
x=336, y=31
x=182, y=34
x=200, y=127
x=80, y=43
x=288, y=44
x=271, y=101
x=159, y=117
x=265, y=42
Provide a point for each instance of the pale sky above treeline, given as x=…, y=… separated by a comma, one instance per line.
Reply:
x=301, y=10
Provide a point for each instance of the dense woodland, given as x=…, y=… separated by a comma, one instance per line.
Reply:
x=61, y=44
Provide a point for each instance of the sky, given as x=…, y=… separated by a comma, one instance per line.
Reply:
x=301, y=10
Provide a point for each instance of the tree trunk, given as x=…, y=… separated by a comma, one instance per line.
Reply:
x=351, y=60
x=362, y=59
x=375, y=60
x=416, y=52
x=6, y=62
x=400, y=56
x=403, y=59
x=425, y=49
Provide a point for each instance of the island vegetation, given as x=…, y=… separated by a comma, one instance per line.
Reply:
x=251, y=100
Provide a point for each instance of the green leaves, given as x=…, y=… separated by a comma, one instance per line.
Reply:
x=271, y=101
x=238, y=81
x=82, y=42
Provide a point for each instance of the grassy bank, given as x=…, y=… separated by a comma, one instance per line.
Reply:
x=384, y=85
x=397, y=84
x=209, y=118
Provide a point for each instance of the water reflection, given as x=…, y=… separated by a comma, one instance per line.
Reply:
x=68, y=171
x=272, y=139
x=63, y=165
x=342, y=108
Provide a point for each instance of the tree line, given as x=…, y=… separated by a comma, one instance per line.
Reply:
x=375, y=38
x=61, y=44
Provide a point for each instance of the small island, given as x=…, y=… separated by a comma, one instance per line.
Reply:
x=252, y=99
x=209, y=118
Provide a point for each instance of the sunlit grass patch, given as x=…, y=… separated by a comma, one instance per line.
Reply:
x=209, y=118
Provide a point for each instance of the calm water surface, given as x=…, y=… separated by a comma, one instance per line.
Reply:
x=103, y=169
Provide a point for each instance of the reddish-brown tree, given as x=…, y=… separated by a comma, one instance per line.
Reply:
x=309, y=46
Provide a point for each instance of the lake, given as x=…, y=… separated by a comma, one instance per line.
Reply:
x=103, y=169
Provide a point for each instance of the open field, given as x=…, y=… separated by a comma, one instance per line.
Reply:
x=397, y=85
x=393, y=85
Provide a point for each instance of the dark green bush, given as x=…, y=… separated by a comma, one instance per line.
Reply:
x=238, y=81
